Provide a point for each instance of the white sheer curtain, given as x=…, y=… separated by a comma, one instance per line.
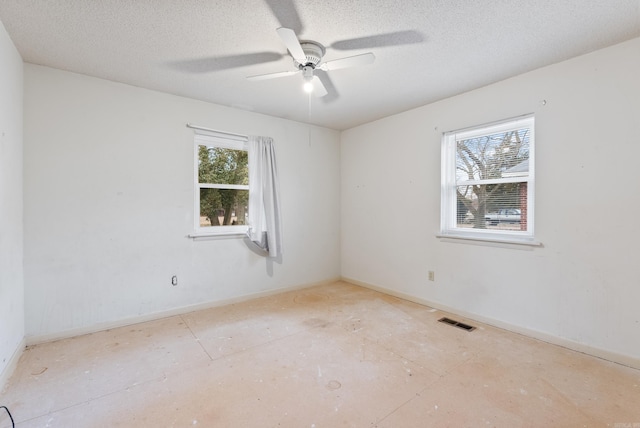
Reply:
x=265, y=223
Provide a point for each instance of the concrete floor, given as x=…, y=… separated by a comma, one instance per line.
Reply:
x=335, y=355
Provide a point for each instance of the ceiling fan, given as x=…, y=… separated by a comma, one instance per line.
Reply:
x=307, y=57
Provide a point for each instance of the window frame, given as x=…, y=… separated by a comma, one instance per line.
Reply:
x=225, y=141
x=448, y=209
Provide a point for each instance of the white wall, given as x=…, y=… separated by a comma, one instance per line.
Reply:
x=582, y=286
x=109, y=202
x=11, y=231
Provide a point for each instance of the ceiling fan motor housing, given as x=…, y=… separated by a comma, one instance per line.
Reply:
x=314, y=52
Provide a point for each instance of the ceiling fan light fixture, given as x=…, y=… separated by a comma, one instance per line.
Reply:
x=307, y=79
x=307, y=86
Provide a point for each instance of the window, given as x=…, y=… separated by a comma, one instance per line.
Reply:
x=221, y=183
x=488, y=182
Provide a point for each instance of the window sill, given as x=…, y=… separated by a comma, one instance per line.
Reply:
x=201, y=236
x=529, y=242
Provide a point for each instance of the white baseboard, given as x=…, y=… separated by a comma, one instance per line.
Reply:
x=35, y=340
x=625, y=360
x=13, y=363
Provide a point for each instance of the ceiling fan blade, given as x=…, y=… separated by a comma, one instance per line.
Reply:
x=328, y=85
x=273, y=75
x=380, y=40
x=318, y=87
x=350, y=61
x=292, y=43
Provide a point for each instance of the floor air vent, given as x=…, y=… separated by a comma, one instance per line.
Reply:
x=457, y=324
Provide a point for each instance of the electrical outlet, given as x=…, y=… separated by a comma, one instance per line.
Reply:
x=432, y=275
x=174, y=280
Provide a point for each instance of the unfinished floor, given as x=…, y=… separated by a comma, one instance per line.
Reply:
x=335, y=355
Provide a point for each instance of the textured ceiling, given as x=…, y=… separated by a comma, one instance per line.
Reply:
x=426, y=50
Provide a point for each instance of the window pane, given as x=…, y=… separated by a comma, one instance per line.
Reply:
x=492, y=206
x=222, y=207
x=218, y=165
x=488, y=181
x=498, y=155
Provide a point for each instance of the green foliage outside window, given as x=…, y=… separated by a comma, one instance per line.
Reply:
x=222, y=166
